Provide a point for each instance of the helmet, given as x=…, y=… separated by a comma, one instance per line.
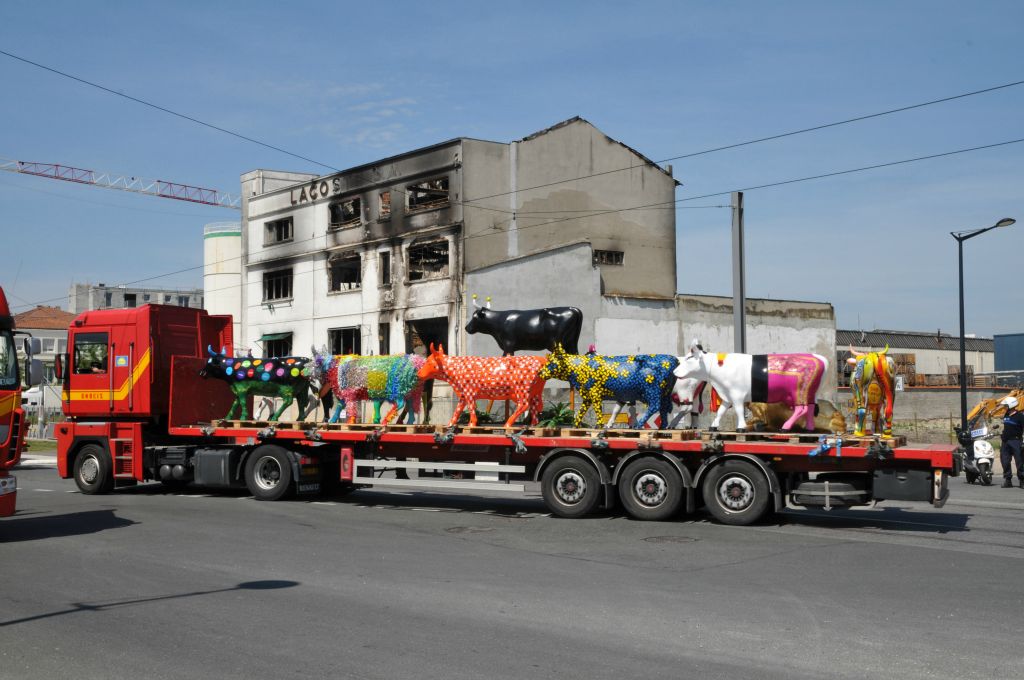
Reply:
x=1010, y=402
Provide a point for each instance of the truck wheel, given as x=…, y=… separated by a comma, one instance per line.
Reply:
x=571, y=487
x=736, y=492
x=268, y=473
x=651, y=489
x=93, y=473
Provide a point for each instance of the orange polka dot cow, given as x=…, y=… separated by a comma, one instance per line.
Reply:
x=514, y=378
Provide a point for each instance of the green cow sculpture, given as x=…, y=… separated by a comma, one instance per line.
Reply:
x=284, y=377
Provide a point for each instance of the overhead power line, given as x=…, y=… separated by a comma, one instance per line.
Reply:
x=648, y=206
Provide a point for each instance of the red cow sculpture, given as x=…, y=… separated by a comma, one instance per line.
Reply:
x=514, y=378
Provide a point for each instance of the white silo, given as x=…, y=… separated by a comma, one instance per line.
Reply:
x=222, y=270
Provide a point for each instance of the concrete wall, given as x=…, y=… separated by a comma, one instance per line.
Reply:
x=83, y=297
x=773, y=326
x=549, y=212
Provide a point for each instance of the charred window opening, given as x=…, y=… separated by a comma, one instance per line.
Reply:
x=384, y=205
x=428, y=261
x=278, y=346
x=278, y=231
x=431, y=193
x=277, y=285
x=130, y=299
x=384, y=338
x=345, y=340
x=344, y=273
x=615, y=257
x=385, y=269
x=345, y=213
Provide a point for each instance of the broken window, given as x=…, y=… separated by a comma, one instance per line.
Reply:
x=278, y=345
x=384, y=205
x=428, y=261
x=344, y=272
x=129, y=299
x=345, y=213
x=277, y=285
x=277, y=231
x=385, y=268
x=345, y=340
x=608, y=257
x=384, y=338
x=431, y=193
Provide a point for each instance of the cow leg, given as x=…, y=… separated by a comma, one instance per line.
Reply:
x=460, y=406
x=286, y=401
x=522, y=404
x=336, y=412
x=721, y=412
x=398, y=404
x=798, y=411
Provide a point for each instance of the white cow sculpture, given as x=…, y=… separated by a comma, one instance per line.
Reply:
x=792, y=379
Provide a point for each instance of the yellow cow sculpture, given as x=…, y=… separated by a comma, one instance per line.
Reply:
x=868, y=368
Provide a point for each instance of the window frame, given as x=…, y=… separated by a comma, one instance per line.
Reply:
x=339, y=334
x=344, y=257
x=413, y=207
x=272, y=225
x=283, y=273
x=409, y=269
x=612, y=258
x=351, y=222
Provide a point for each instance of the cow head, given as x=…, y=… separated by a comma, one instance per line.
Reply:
x=215, y=364
x=689, y=394
x=482, y=321
x=557, y=365
x=433, y=366
x=320, y=364
x=693, y=364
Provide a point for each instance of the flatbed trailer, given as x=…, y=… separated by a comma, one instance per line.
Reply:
x=148, y=418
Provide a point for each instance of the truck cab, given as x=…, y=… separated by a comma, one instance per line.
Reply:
x=12, y=417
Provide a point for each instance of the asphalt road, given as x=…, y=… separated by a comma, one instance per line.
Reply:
x=149, y=584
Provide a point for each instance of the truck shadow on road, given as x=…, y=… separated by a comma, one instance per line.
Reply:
x=103, y=606
x=20, y=528
x=889, y=519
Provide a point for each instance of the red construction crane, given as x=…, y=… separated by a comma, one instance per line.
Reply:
x=138, y=185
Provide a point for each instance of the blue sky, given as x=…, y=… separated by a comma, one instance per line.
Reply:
x=348, y=83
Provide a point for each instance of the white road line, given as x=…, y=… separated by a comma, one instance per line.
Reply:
x=42, y=489
x=322, y=503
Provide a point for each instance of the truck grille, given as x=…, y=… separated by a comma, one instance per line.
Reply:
x=11, y=454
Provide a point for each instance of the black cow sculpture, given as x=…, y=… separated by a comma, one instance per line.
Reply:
x=533, y=329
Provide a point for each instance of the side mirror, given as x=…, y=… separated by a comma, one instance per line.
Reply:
x=58, y=367
x=32, y=346
x=33, y=372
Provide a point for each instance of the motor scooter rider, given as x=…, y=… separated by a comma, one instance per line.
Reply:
x=1013, y=431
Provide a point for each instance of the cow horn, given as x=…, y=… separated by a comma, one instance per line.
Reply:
x=885, y=350
x=488, y=301
x=209, y=348
x=224, y=350
x=475, y=303
x=855, y=353
x=432, y=350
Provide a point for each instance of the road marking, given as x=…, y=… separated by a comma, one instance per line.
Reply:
x=72, y=491
x=424, y=509
x=322, y=503
x=42, y=489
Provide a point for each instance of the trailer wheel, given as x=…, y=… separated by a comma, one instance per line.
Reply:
x=93, y=473
x=736, y=492
x=571, y=487
x=268, y=473
x=651, y=489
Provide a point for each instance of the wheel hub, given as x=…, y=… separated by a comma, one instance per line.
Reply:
x=736, y=493
x=570, y=486
x=268, y=473
x=650, y=489
x=90, y=470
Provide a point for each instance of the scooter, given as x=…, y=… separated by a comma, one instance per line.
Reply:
x=979, y=467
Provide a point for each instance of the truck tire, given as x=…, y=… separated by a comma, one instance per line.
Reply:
x=268, y=473
x=93, y=471
x=571, y=486
x=736, y=492
x=651, y=489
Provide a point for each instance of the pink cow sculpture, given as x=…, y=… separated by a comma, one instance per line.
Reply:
x=510, y=377
x=792, y=379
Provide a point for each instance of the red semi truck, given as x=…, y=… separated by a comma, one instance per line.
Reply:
x=12, y=417
x=138, y=410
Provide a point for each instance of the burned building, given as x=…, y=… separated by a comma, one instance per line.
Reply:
x=384, y=257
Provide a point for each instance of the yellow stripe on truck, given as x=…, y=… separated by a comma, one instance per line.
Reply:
x=8, y=403
x=104, y=395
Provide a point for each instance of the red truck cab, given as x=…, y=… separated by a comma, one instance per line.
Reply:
x=12, y=417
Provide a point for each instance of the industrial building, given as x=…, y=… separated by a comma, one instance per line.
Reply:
x=83, y=297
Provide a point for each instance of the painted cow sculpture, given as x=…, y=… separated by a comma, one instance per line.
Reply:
x=391, y=378
x=868, y=368
x=792, y=379
x=641, y=377
x=530, y=329
x=284, y=377
x=471, y=378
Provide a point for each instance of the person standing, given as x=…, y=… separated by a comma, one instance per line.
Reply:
x=1013, y=430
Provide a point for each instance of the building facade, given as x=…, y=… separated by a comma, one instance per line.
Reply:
x=50, y=325
x=921, y=359
x=83, y=297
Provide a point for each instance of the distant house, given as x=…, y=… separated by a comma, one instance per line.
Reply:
x=50, y=325
x=83, y=297
x=923, y=359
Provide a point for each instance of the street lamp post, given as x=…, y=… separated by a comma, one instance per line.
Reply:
x=961, y=236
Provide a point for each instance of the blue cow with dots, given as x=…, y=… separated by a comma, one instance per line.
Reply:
x=640, y=377
x=284, y=377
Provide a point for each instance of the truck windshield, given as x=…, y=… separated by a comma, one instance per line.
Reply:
x=8, y=362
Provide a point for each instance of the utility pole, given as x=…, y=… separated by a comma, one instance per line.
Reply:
x=739, y=277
